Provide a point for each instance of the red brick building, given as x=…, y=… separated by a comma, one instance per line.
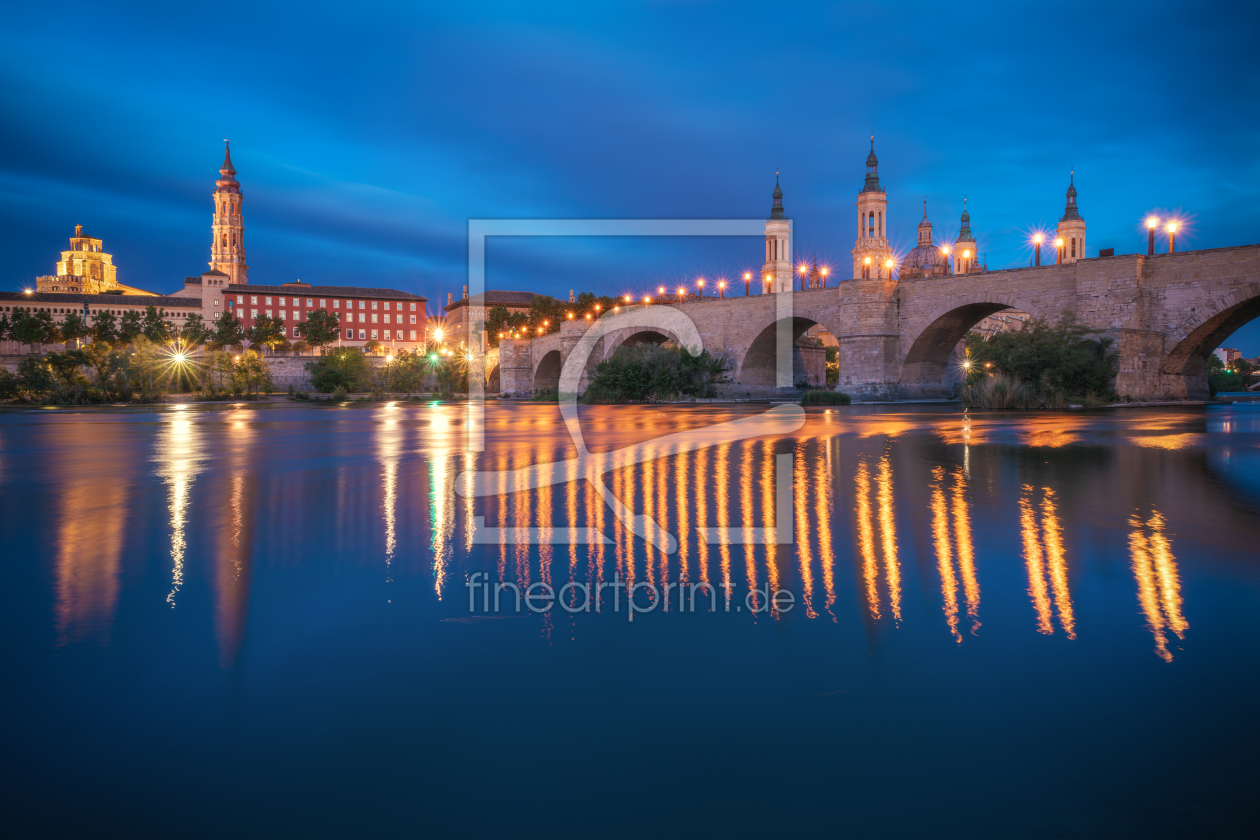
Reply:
x=395, y=319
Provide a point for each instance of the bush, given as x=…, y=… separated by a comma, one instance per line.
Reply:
x=819, y=396
x=345, y=368
x=547, y=395
x=652, y=372
x=339, y=394
x=1041, y=366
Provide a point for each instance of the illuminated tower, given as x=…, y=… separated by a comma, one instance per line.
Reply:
x=1071, y=227
x=227, y=248
x=871, y=252
x=776, y=274
x=965, y=252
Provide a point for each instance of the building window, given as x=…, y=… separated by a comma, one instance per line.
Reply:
x=268, y=313
x=362, y=334
x=282, y=318
x=373, y=317
x=349, y=333
x=336, y=304
x=308, y=302
x=373, y=304
x=254, y=299
x=361, y=305
x=216, y=316
x=1074, y=246
x=413, y=309
x=295, y=332
x=268, y=301
x=362, y=318
x=253, y=313
x=281, y=301
x=216, y=302
x=321, y=303
x=413, y=335
x=413, y=318
x=387, y=319
x=374, y=335
x=387, y=335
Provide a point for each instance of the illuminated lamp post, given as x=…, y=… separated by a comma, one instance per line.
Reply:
x=1172, y=237
x=1151, y=224
x=721, y=288
x=866, y=269
x=661, y=291
x=1058, y=250
x=747, y=283
x=804, y=270
x=765, y=285
x=1037, y=244
x=700, y=286
x=945, y=253
x=682, y=294
x=888, y=265
x=823, y=272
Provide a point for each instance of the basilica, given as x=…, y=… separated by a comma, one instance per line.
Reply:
x=873, y=254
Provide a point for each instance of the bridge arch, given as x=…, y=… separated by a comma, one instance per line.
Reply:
x=547, y=373
x=757, y=364
x=493, y=380
x=1202, y=332
x=932, y=338
x=634, y=337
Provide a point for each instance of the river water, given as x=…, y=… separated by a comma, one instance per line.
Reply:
x=256, y=620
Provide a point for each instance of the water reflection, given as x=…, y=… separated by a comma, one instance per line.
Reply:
x=1046, y=562
x=1158, y=584
x=178, y=452
x=929, y=508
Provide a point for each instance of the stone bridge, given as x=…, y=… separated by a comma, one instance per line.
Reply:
x=1166, y=313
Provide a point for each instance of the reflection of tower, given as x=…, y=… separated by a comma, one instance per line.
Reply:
x=965, y=252
x=227, y=248
x=234, y=539
x=776, y=274
x=871, y=250
x=1071, y=227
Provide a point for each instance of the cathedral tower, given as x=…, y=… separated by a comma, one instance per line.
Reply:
x=227, y=248
x=871, y=253
x=1071, y=227
x=965, y=252
x=776, y=274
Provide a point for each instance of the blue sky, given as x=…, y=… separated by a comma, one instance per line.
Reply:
x=366, y=135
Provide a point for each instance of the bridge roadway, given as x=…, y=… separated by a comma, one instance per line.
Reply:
x=1166, y=314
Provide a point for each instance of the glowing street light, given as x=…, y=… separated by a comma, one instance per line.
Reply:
x=1037, y=243
x=721, y=288
x=700, y=284
x=389, y=358
x=661, y=291
x=866, y=269
x=823, y=272
x=1058, y=249
x=1151, y=224
x=682, y=293
x=1172, y=237
x=747, y=283
x=439, y=334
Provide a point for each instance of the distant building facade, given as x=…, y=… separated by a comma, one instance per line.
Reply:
x=455, y=327
x=85, y=269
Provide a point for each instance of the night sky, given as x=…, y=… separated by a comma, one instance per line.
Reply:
x=366, y=135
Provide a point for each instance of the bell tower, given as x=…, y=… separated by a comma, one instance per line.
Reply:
x=871, y=252
x=776, y=274
x=965, y=252
x=227, y=247
x=1071, y=227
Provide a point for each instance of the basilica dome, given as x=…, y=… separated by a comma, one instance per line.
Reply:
x=925, y=260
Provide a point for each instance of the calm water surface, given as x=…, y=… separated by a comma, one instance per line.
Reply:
x=254, y=621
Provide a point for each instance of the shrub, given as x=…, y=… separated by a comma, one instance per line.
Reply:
x=345, y=368
x=652, y=372
x=1041, y=366
x=820, y=396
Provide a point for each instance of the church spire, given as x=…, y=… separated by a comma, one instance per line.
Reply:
x=227, y=243
x=776, y=209
x=872, y=171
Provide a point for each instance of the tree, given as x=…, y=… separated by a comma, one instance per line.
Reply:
x=51, y=329
x=6, y=328
x=253, y=377
x=345, y=367
x=74, y=328
x=266, y=332
x=130, y=326
x=228, y=330
x=104, y=327
x=320, y=328
x=154, y=326
x=27, y=329
x=194, y=331
x=34, y=378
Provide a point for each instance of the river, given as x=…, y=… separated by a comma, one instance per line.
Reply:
x=258, y=620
